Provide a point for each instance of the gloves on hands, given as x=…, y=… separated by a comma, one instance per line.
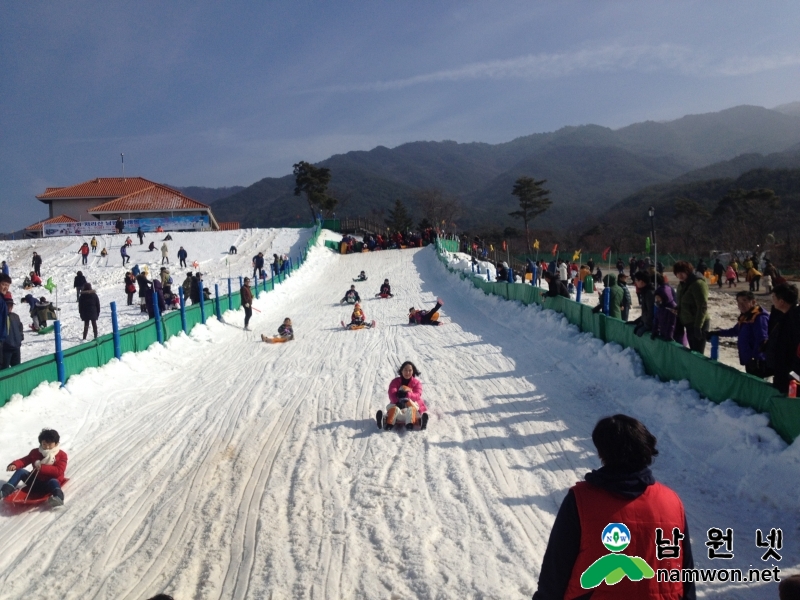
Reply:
x=37, y=464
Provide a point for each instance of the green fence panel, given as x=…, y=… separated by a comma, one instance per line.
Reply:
x=236, y=300
x=572, y=310
x=105, y=348
x=24, y=378
x=449, y=245
x=332, y=245
x=784, y=415
x=145, y=334
x=171, y=323
x=332, y=224
x=78, y=358
x=193, y=316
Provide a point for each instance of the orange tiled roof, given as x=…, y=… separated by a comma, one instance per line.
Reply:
x=101, y=187
x=228, y=225
x=156, y=197
x=58, y=219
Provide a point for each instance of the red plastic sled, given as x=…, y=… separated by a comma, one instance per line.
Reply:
x=276, y=340
x=20, y=498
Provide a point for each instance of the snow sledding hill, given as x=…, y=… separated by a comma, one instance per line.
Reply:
x=61, y=261
x=222, y=467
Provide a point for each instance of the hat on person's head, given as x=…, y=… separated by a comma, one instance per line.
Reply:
x=87, y=286
x=199, y=274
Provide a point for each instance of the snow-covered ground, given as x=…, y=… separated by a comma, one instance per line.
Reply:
x=221, y=467
x=61, y=261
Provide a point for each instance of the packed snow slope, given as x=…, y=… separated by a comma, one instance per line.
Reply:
x=61, y=261
x=221, y=467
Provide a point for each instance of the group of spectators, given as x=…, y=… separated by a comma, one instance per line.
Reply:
x=393, y=241
x=279, y=264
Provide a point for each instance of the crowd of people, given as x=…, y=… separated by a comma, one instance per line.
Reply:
x=393, y=241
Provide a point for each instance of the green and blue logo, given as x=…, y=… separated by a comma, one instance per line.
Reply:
x=613, y=568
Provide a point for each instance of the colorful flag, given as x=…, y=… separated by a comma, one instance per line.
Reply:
x=555, y=249
x=606, y=252
x=504, y=246
x=535, y=244
x=647, y=244
x=491, y=248
x=577, y=255
x=50, y=286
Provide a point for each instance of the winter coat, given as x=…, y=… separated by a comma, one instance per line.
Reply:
x=665, y=320
x=130, y=284
x=194, y=291
x=647, y=297
x=164, y=250
x=625, y=307
x=556, y=287
x=165, y=277
x=16, y=332
x=258, y=261
x=693, y=302
x=752, y=330
x=564, y=544
x=386, y=289
x=730, y=273
x=781, y=349
x=4, y=322
x=285, y=331
x=718, y=269
x=351, y=294
x=187, y=286
x=182, y=254
x=84, y=250
x=246, y=295
x=123, y=250
x=46, y=472
x=502, y=273
x=615, y=296
x=156, y=293
x=89, y=306
x=79, y=282
x=45, y=311
x=144, y=284
x=37, y=261
x=414, y=394
x=562, y=272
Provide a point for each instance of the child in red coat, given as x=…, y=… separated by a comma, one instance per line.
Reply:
x=49, y=464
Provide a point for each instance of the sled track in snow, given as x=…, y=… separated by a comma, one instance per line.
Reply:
x=222, y=467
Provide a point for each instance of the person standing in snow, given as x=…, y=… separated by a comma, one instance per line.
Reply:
x=5, y=283
x=123, y=252
x=119, y=225
x=89, y=309
x=258, y=265
x=187, y=287
x=622, y=491
x=93, y=244
x=78, y=284
x=84, y=252
x=692, y=306
x=625, y=307
x=11, y=346
x=646, y=295
x=164, y=253
x=36, y=262
x=784, y=336
x=247, y=302
x=4, y=269
x=555, y=286
x=130, y=287
x=751, y=332
x=144, y=287
x=140, y=235
x=182, y=256
x=49, y=463
x=719, y=272
x=615, y=296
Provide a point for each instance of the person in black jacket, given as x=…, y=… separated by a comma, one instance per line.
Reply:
x=89, y=309
x=556, y=287
x=646, y=294
x=194, y=293
x=12, y=344
x=784, y=335
x=37, y=264
x=626, y=450
x=78, y=284
x=144, y=285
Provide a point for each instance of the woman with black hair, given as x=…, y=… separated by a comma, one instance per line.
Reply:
x=405, y=400
x=622, y=493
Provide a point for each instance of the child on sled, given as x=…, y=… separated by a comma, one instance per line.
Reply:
x=285, y=332
x=48, y=463
x=405, y=400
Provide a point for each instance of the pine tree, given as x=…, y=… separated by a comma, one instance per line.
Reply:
x=399, y=220
x=313, y=182
x=533, y=201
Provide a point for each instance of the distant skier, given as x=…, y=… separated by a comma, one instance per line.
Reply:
x=49, y=464
x=425, y=317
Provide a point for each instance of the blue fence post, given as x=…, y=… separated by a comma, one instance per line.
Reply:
x=183, y=309
x=535, y=276
x=273, y=278
x=473, y=267
x=579, y=292
x=606, y=301
x=62, y=376
x=714, y=347
x=202, y=303
x=115, y=329
x=290, y=265
x=157, y=315
x=216, y=302
x=230, y=296
x=510, y=275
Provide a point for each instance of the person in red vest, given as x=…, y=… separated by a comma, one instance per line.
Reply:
x=624, y=494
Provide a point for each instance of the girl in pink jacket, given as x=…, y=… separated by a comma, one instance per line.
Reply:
x=405, y=400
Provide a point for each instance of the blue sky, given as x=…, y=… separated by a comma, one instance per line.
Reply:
x=226, y=93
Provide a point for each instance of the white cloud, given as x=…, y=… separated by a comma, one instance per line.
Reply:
x=606, y=59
